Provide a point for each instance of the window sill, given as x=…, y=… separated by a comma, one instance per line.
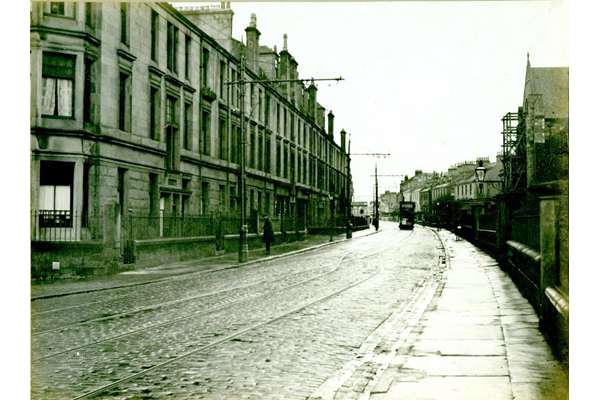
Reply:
x=59, y=16
x=58, y=117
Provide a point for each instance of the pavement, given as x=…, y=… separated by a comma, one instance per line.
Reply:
x=478, y=338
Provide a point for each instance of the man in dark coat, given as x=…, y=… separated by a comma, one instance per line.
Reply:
x=268, y=234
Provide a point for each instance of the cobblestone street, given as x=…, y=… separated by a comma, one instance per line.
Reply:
x=293, y=327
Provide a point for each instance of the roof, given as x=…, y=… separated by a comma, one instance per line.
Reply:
x=553, y=85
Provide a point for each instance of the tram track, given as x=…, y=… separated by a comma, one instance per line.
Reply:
x=164, y=305
x=161, y=300
x=189, y=316
x=347, y=256
x=156, y=305
x=104, y=388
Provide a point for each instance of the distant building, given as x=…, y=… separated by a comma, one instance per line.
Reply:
x=360, y=208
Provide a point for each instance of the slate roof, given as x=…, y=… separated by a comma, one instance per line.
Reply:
x=553, y=85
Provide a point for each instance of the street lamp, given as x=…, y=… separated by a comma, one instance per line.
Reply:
x=480, y=172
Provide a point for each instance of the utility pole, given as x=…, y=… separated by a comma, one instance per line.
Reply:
x=243, y=246
x=376, y=201
x=376, y=155
x=348, y=199
x=388, y=175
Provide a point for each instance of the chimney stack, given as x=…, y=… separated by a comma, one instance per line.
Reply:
x=330, y=118
x=343, y=140
x=312, y=100
x=252, y=41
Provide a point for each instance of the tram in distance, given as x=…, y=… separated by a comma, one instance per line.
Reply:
x=407, y=215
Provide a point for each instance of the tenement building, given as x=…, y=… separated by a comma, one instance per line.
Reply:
x=140, y=117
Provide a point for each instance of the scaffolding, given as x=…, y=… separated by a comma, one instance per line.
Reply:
x=514, y=152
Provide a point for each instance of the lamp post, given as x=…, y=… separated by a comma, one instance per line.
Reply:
x=480, y=172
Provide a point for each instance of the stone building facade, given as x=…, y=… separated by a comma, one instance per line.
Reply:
x=133, y=110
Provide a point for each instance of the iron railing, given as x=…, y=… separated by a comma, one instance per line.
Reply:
x=171, y=226
x=65, y=226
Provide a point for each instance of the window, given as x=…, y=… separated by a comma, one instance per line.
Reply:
x=188, y=54
x=56, y=191
x=172, y=110
x=267, y=203
x=58, y=80
x=153, y=193
x=188, y=134
x=172, y=132
x=293, y=165
x=125, y=23
x=172, y=45
x=259, y=206
x=222, y=198
x=260, y=152
x=205, y=66
x=223, y=139
x=122, y=189
x=278, y=127
x=267, y=110
x=125, y=101
x=252, y=149
x=222, y=78
x=86, y=195
x=154, y=28
x=235, y=132
x=205, y=200
x=268, y=154
x=278, y=159
x=154, y=113
x=261, y=115
x=89, y=90
x=305, y=136
x=285, y=161
x=57, y=8
x=235, y=101
x=186, y=184
x=205, y=132
x=304, y=171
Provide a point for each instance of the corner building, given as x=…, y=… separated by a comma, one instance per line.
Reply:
x=136, y=112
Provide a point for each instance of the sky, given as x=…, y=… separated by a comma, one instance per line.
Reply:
x=426, y=82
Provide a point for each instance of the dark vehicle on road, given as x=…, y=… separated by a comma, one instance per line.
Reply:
x=407, y=215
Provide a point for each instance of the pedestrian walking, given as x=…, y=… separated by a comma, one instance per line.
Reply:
x=268, y=234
